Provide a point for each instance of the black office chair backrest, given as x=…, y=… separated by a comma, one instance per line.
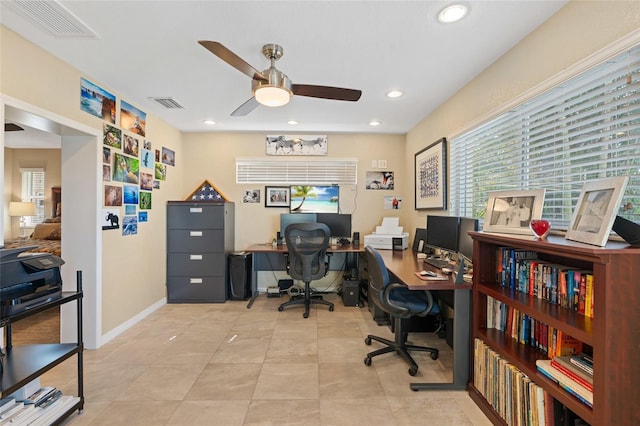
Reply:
x=307, y=245
x=393, y=298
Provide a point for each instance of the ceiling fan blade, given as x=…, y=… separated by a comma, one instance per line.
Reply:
x=12, y=127
x=232, y=59
x=326, y=92
x=246, y=107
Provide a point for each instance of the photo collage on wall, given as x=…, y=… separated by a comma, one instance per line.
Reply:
x=131, y=168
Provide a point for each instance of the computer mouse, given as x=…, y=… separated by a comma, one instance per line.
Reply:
x=428, y=274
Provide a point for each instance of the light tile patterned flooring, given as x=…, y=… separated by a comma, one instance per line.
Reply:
x=224, y=364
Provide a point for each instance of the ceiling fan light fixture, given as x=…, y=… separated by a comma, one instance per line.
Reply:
x=272, y=96
x=452, y=13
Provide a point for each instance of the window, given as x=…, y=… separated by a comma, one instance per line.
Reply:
x=338, y=171
x=585, y=129
x=33, y=191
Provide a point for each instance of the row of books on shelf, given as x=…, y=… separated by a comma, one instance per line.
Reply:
x=522, y=271
x=529, y=331
x=563, y=372
x=511, y=393
x=43, y=407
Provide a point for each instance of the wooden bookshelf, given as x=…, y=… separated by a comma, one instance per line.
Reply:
x=613, y=332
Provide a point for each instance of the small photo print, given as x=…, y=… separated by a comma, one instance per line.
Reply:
x=157, y=155
x=146, y=181
x=146, y=159
x=106, y=155
x=129, y=225
x=143, y=217
x=125, y=169
x=112, y=136
x=112, y=195
x=131, y=145
x=110, y=219
x=147, y=145
x=130, y=210
x=131, y=194
x=132, y=119
x=106, y=173
x=251, y=196
x=168, y=157
x=97, y=101
x=392, y=203
x=379, y=180
x=145, y=200
x=156, y=184
x=161, y=171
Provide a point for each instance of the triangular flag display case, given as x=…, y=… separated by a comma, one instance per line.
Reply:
x=207, y=191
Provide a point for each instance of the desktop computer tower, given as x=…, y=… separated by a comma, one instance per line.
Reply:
x=239, y=276
x=351, y=292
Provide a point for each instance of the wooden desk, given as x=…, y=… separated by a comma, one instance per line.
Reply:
x=403, y=265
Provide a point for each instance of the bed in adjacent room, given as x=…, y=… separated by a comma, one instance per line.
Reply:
x=46, y=237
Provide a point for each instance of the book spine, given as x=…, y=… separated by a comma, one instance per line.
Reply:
x=570, y=374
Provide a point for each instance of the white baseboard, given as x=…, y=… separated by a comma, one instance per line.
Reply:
x=133, y=321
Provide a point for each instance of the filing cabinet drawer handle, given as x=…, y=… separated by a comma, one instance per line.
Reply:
x=195, y=280
x=195, y=210
x=195, y=233
x=195, y=257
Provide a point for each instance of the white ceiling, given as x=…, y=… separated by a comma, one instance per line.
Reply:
x=146, y=49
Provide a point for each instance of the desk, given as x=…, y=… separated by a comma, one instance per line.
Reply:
x=267, y=257
x=403, y=265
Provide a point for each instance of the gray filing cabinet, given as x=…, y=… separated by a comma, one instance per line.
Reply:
x=199, y=237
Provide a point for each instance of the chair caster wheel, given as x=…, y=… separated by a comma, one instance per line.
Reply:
x=280, y=308
x=367, y=361
x=331, y=308
x=306, y=315
x=413, y=371
x=434, y=355
x=367, y=341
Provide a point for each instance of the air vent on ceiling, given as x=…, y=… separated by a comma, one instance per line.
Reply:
x=52, y=17
x=168, y=102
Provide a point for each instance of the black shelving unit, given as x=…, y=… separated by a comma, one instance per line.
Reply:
x=22, y=364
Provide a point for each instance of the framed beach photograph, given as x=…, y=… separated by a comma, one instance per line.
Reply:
x=596, y=210
x=431, y=176
x=276, y=196
x=315, y=199
x=510, y=212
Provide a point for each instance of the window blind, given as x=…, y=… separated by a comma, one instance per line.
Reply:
x=585, y=129
x=33, y=192
x=341, y=171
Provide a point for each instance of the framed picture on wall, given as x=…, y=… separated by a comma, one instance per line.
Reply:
x=276, y=196
x=431, y=176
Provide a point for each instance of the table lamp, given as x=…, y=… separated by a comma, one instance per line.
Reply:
x=22, y=209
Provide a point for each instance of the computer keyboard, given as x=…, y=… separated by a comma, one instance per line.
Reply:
x=437, y=263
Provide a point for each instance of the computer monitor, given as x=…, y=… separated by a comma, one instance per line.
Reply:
x=287, y=219
x=442, y=232
x=339, y=224
x=465, y=242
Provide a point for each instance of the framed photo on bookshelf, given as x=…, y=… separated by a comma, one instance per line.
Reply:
x=596, y=210
x=510, y=212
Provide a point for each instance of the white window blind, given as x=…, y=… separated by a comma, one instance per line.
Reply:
x=33, y=192
x=340, y=171
x=587, y=128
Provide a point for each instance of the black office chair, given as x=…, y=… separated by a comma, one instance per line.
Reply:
x=307, y=245
x=400, y=303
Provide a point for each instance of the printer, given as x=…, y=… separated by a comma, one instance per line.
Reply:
x=27, y=280
x=388, y=236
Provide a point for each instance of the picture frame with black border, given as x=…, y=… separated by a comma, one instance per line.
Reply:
x=276, y=196
x=430, y=174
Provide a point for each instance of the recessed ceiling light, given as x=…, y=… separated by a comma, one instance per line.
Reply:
x=394, y=94
x=374, y=123
x=209, y=122
x=292, y=122
x=452, y=13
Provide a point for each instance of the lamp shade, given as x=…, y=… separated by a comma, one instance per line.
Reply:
x=272, y=96
x=19, y=208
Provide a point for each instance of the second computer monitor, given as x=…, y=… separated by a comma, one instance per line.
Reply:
x=339, y=224
x=465, y=242
x=442, y=232
x=288, y=218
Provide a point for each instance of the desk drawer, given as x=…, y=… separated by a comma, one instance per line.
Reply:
x=195, y=241
x=196, y=216
x=196, y=289
x=196, y=264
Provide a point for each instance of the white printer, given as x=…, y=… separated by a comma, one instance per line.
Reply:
x=388, y=236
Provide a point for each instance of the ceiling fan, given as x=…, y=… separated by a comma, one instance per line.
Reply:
x=272, y=87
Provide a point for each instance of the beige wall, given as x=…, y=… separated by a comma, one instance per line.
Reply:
x=577, y=31
x=47, y=159
x=133, y=277
x=212, y=156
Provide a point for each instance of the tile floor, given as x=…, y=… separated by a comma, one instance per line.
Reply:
x=224, y=364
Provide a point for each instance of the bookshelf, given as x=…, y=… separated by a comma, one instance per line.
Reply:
x=23, y=363
x=613, y=332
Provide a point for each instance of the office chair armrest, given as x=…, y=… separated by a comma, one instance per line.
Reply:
x=430, y=303
x=399, y=310
x=326, y=263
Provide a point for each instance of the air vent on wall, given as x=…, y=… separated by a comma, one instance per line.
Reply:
x=52, y=17
x=168, y=102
